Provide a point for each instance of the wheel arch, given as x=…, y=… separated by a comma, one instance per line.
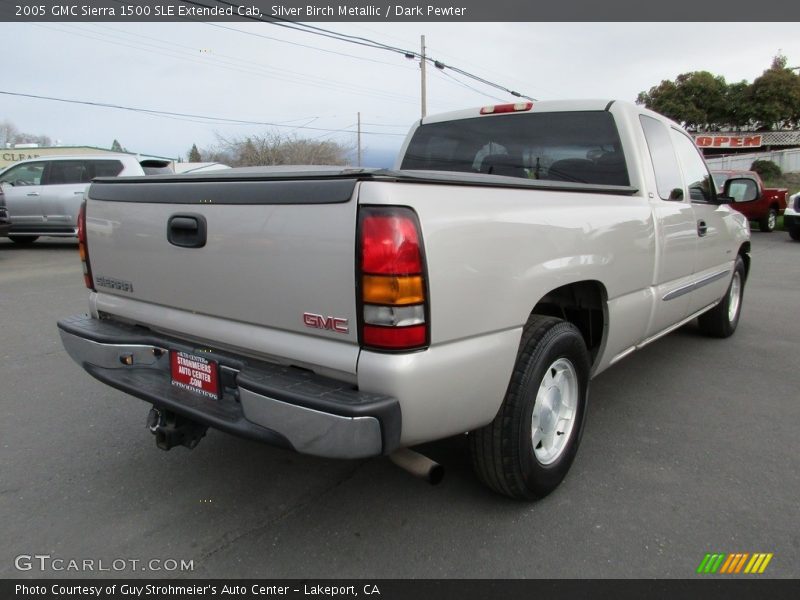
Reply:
x=584, y=304
x=744, y=252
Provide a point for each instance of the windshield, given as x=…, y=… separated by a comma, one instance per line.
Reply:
x=581, y=147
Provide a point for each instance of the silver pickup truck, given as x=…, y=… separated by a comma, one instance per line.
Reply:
x=515, y=252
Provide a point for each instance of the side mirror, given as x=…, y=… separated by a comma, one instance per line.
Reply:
x=722, y=199
x=739, y=189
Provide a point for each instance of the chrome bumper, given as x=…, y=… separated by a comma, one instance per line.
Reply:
x=279, y=405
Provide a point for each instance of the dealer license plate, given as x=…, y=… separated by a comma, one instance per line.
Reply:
x=194, y=373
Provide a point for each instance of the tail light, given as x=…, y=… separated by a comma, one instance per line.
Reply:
x=83, y=248
x=392, y=283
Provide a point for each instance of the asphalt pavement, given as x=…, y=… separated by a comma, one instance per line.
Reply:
x=691, y=446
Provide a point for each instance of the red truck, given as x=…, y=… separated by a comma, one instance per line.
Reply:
x=769, y=203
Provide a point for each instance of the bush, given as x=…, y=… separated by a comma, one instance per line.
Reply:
x=766, y=168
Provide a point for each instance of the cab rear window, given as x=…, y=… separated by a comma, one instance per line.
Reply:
x=581, y=147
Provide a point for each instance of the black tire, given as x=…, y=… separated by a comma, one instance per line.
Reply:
x=768, y=221
x=23, y=239
x=503, y=454
x=718, y=322
x=794, y=233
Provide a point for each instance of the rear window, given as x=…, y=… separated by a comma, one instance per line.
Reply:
x=582, y=147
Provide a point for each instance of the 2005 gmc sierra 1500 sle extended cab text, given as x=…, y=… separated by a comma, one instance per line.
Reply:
x=514, y=253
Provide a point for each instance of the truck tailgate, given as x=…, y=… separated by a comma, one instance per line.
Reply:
x=274, y=250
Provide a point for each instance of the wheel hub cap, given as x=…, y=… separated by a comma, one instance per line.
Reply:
x=734, y=297
x=553, y=415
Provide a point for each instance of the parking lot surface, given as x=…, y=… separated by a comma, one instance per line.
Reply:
x=691, y=446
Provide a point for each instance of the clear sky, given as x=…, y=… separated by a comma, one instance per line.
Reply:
x=261, y=72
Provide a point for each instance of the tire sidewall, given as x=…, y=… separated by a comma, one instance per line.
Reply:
x=732, y=324
x=567, y=343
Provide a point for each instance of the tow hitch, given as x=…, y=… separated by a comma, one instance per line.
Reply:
x=172, y=429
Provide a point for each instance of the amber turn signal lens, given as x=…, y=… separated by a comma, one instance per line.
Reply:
x=393, y=290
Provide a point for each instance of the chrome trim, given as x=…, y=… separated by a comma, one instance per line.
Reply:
x=309, y=431
x=690, y=287
x=312, y=431
x=662, y=333
x=109, y=356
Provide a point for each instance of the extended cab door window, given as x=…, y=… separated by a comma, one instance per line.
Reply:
x=698, y=178
x=665, y=164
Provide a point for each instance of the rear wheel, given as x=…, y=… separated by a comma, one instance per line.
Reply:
x=529, y=447
x=794, y=233
x=769, y=221
x=721, y=321
x=23, y=239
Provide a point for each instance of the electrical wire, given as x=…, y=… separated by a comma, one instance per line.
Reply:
x=166, y=113
x=361, y=41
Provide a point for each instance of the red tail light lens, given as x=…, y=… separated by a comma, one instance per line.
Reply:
x=83, y=249
x=391, y=274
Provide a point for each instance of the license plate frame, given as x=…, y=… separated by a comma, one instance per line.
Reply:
x=194, y=373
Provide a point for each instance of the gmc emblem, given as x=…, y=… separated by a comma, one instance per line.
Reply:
x=330, y=323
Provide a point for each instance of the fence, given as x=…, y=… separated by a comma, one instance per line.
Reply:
x=787, y=160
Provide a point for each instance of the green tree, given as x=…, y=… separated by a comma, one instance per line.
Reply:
x=697, y=99
x=116, y=146
x=776, y=96
x=194, y=154
x=703, y=101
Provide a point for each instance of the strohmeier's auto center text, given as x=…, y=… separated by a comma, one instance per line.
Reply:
x=149, y=590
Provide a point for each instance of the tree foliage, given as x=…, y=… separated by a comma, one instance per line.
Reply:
x=274, y=148
x=706, y=102
x=117, y=147
x=10, y=134
x=194, y=154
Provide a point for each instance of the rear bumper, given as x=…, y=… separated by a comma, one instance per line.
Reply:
x=278, y=405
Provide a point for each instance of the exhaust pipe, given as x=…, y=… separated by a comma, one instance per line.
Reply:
x=418, y=465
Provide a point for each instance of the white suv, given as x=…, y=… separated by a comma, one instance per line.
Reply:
x=791, y=216
x=43, y=195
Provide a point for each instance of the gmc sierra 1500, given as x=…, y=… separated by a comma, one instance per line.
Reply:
x=515, y=252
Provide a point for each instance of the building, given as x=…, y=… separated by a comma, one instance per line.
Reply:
x=26, y=151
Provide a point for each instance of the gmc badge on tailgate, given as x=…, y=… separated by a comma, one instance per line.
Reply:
x=316, y=321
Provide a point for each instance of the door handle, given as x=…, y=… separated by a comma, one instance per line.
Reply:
x=702, y=228
x=33, y=193
x=187, y=231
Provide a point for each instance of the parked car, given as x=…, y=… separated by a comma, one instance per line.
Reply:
x=791, y=217
x=765, y=209
x=5, y=224
x=43, y=195
x=515, y=252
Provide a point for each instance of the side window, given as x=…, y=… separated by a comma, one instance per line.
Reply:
x=27, y=174
x=698, y=179
x=67, y=171
x=668, y=174
x=104, y=168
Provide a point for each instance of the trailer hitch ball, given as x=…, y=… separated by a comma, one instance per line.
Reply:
x=172, y=429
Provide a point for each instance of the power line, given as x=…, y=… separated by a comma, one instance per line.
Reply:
x=166, y=113
x=234, y=64
x=361, y=41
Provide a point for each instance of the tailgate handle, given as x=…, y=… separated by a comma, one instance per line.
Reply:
x=187, y=231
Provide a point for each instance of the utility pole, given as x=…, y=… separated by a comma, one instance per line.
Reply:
x=359, y=139
x=422, y=75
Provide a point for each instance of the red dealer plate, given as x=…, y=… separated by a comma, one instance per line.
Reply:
x=194, y=373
